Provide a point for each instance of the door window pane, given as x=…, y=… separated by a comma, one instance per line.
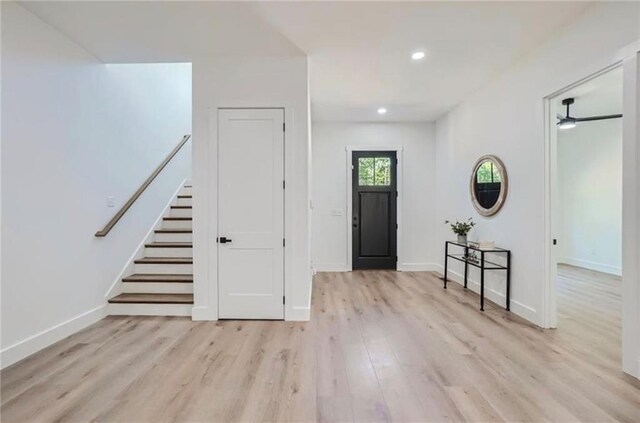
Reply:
x=374, y=171
x=365, y=171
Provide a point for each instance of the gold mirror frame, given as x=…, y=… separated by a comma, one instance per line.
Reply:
x=504, y=187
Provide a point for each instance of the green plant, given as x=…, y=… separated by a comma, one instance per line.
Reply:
x=461, y=228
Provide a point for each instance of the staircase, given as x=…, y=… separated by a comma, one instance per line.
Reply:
x=161, y=282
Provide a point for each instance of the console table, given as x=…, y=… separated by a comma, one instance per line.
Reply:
x=482, y=263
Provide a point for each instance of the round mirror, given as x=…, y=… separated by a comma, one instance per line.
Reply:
x=488, y=185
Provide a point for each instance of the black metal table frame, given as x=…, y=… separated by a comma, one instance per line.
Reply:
x=482, y=265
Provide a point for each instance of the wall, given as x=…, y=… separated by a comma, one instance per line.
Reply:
x=76, y=131
x=506, y=118
x=590, y=195
x=251, y=82
x=329, y=192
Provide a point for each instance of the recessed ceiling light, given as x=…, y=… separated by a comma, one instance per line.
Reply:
x=382, y=111
x=418, y=55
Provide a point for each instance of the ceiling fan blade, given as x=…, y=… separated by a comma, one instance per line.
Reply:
x=592, y=118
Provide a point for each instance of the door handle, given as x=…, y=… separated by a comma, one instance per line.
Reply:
x=224, y=240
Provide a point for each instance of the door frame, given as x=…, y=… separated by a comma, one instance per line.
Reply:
x=399, y=186
x=205, y=246
x=628, y=58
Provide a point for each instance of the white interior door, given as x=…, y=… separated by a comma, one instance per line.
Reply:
x=251, y=213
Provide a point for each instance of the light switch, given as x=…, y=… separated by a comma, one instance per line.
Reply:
x=111, y=201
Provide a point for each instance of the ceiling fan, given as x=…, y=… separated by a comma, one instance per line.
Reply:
x=568, y=121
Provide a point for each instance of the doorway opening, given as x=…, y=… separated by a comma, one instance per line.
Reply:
x=586, y=212
x=374, y=210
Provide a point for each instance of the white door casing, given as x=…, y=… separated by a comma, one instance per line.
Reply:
x=251, y=213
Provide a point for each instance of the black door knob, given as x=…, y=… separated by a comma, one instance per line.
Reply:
x=224, y=240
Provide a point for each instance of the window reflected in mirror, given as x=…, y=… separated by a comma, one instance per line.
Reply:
x=488, y=185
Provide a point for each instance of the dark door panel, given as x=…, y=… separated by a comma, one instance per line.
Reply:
x=374, y=224
x=374, y=210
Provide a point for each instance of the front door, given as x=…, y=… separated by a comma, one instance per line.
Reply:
x=374, y=220
x=251, y=213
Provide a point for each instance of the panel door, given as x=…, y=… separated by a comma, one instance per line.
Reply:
x=374, y=220
x=251, y=213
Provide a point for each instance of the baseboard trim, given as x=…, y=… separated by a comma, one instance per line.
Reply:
x=203, y=314
x=592, y=265
x=41, y=340
x=404, y=267
x=418, y=267
x=522, y=310
x=332, y=267
x=297, y=314
x=150, y=310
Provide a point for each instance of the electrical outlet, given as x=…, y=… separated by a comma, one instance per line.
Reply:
x=111, y=201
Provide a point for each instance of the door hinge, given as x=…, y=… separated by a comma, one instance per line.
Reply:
x=396, y=194
x=555, y=242
x=396, y=161
x=283, y=184
x=283, y=300
x=283, y=242
x=396, y=259
x=396, y=226
x=284, y=127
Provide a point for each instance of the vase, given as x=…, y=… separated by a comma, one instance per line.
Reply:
x=462, y=239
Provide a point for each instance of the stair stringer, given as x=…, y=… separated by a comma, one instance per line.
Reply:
x=117, y=285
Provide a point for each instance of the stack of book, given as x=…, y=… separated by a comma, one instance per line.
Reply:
x=487, y=245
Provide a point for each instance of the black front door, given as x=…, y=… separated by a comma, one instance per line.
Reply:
x=374, y=217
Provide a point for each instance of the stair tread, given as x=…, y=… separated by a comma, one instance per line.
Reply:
x=160, y=277
x=177, y=218
x=174, y=231
x=169, y=245
x=152, y=299
x=164, y=260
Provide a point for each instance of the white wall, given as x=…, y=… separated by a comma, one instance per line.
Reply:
x=506, y=118
x=251, y=82
x=590, y=195
x=76, y=131
x=329, y=190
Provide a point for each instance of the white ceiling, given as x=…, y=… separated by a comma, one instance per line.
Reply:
x=163, y=31
x=358, y=51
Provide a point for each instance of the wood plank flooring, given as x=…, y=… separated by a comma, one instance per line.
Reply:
x=381, y=346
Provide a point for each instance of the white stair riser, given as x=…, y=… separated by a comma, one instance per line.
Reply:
x=176, y=224
x=168, y=252
x=173, y=237
x=165, y=269
x=183, y=202
x=186, y=191
x=181, y=213
x=150, y=309
x=157, y=288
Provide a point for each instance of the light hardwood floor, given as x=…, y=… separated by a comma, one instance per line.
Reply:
x=381, y=346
